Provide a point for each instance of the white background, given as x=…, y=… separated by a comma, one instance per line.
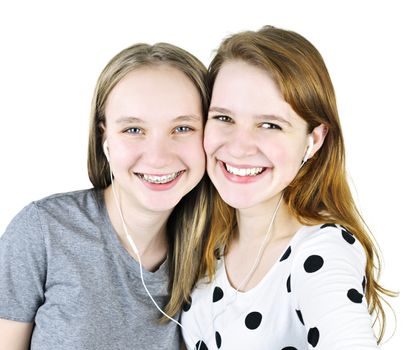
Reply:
x=52, y=53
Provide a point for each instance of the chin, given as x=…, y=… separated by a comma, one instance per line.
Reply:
x=164, y=205
x=237, y=202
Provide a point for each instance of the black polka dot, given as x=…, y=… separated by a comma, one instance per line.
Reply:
x=286, y=254
x=313, y=263
x=186, y=306
x=328, y=225
x=354, y=296
x=218, y=340
x=348, y=237
x=289, y=284
x=313, y=336
x=289, y=348
x=253, y=320
x=217, y=294
x=364, y=283
x=300, y=316
x=201, y=345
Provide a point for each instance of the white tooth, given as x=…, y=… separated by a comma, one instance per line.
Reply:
x=160, y=179
x=243, y=171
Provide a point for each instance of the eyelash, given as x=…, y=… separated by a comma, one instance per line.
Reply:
x=188, y=129
x=136, y=132
x=222, y=118
x=179, y=130
x=264, y=125
x=270, y=126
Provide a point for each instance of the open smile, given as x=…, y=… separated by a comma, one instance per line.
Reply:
x=243, y=171
x=159, y=179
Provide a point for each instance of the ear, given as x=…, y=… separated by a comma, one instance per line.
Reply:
x=318, y=134
x=102, y=127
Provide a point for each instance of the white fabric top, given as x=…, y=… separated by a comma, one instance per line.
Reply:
x=311, y=298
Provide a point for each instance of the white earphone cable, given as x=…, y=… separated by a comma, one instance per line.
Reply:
x=135, y=250
x=240, y=286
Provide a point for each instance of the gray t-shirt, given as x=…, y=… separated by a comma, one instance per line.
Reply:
x=63, y=268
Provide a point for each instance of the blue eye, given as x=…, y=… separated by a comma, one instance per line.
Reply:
x=134, y=131
x=182, y=129
x=270, y=126
x=223, y=118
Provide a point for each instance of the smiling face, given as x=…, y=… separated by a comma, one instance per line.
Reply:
x=154, y=132
x=254, y=141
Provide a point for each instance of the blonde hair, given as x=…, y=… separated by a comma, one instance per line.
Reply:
x=320, y=192
x=187, y=225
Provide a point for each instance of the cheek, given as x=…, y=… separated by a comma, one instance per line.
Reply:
x=276, y=150
x=282, y=154
x=212, y=139
x=194, y=155
x=122, y=153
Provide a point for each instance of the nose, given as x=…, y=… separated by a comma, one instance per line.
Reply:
x=242, y=144
x=158, y=153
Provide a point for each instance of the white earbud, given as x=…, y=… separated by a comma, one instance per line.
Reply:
x=309, y=148
x=106, y=150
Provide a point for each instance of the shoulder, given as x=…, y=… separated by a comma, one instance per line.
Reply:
x=75, y=204
x=81, y=197
x=60, y=207
x=329, y=238
x=327, y=252
x=327, y=285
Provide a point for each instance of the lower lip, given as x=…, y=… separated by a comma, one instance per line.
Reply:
x=161, y=187
x=241, y=179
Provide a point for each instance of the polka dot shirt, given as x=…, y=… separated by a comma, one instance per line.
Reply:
x=311, y=298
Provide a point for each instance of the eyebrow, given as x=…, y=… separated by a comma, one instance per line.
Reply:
x=181, y=118
x=257, y=117
x=188, y=118
x=273, y=117
x=129, y=120
x=220, y=110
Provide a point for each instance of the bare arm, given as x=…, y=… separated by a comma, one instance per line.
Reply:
x=15, y=335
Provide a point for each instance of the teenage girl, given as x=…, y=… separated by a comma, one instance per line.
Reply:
x=89, y=269
x=290, y=264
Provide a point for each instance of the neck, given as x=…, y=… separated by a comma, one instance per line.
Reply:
x=254, y=222
x=146, y=228
x=253, y=252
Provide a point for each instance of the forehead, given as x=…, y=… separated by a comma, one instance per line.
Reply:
x=247, y=89
x=159, y=90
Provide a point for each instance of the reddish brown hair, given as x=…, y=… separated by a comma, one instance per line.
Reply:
x=320, y=192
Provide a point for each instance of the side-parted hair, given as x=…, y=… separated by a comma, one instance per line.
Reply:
x=187, y=225
x=320, y=192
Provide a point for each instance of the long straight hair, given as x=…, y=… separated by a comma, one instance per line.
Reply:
x=320, y=192
x=187, y=225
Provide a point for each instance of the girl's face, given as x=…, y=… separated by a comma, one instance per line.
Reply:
x=254, y=141
x=154, y=131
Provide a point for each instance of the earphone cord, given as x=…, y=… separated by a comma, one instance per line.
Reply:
x=261, y=248
x=255, y=264
x=135, y=250
x=241, y=285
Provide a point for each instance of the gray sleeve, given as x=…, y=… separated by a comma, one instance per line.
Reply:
x=22, y=267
